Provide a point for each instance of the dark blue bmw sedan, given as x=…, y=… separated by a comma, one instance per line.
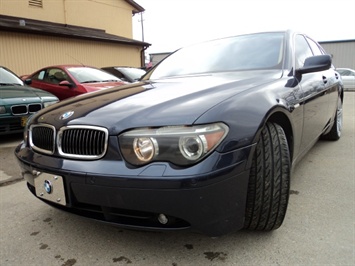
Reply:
x=206, y=141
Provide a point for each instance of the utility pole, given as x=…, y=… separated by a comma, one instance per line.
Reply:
x=142, y=26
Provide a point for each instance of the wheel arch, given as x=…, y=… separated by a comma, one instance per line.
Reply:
x=281, y=119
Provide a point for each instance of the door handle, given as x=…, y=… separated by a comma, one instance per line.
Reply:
x=325, y=80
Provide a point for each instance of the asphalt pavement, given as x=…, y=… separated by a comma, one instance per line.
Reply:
x=319, y=228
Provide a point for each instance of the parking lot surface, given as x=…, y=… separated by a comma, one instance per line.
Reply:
x=319, y=227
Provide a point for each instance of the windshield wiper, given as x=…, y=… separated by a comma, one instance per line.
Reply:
x=10, y=84
x=110, y=80
x=91, y=81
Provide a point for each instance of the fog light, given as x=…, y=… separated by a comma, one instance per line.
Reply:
x=162, y=219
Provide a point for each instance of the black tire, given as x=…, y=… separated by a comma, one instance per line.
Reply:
x=335, y=132
x=269, y=181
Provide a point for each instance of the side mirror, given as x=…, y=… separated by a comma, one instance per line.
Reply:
x=315, y=64
x=28, y=81
x=66, y=83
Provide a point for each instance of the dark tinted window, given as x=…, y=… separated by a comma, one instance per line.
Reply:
x=255, y=51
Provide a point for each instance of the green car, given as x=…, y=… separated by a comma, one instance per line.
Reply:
x=18, y=102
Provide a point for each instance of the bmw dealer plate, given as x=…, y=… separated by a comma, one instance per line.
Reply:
x=50, y=187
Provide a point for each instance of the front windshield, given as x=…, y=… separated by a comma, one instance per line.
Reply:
x=246, y=52
x=90, y=75
x=133, y=73
x=8, y=78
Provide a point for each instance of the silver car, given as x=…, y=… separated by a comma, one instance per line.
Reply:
x=348, y=76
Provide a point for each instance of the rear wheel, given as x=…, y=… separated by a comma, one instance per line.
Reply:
x=269, y=181
x=335, y=132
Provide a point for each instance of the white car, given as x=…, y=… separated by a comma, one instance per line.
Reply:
x=348, y=76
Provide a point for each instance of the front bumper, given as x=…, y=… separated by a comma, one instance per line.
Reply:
x=11, y=125
x=209, y=197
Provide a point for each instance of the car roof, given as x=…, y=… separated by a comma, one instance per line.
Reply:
x=68, y=65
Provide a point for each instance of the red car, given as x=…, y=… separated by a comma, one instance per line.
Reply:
x=65, y=81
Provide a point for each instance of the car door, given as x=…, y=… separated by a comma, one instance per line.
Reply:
x=331, y=81
x=49, y=80
x=315, y=96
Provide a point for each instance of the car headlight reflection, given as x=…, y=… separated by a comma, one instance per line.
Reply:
x=180, y=145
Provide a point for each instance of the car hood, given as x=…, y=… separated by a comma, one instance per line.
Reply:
x=15, y=94
x=174, y=101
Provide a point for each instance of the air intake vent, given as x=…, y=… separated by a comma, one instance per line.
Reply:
x=36, y=3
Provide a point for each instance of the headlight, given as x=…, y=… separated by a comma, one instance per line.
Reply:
x=46, y=104
x=2, y=109
x=180, y=145
x=145, y=148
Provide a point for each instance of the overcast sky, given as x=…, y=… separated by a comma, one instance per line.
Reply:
x=171, y=24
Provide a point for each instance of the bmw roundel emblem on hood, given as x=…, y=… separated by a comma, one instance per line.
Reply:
x=66, y=115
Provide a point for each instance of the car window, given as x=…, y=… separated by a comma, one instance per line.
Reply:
x=51, y=75
x=345, y=72
x=247, y=52
x=8, y=78
x=89, y=75
x=39, y=75
x=115, y=72
x=56, y=75
x=303, y=51
x=315, y=48
x=133, y=73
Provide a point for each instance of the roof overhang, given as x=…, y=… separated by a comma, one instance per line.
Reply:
x=30, y=26
x=137, y=8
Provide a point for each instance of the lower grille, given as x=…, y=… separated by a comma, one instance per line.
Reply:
x=12, y=125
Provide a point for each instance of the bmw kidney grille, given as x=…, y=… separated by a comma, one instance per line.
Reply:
x=81, y=142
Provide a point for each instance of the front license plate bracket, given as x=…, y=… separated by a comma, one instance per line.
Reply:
x=50, y=187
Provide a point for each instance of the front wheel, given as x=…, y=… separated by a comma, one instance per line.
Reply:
x=335, y=132
x=269, y=181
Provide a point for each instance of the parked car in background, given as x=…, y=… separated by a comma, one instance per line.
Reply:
x=18, y=101
x=202, y=142
x=348, y=76
x=66, y=81
x=129, y=74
